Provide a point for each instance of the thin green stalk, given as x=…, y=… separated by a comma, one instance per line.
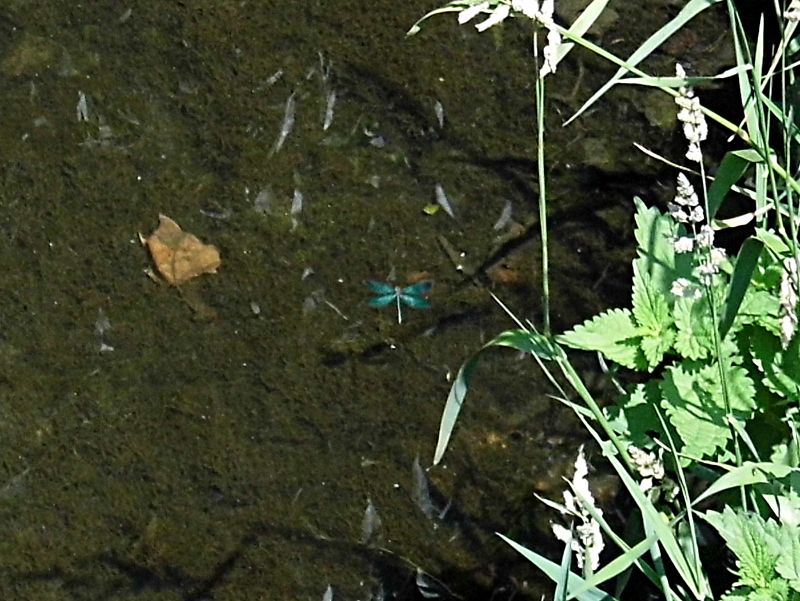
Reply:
x=542, y=177
x=540, y=107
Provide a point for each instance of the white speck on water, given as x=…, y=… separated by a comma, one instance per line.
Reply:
x=82, y=109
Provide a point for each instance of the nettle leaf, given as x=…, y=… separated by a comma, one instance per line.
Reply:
x=613, y=333
x=653, y=316
x=695, y=405
x=634, y=416
x=780, y=368
x=695, y=328
x=788, y=565
x=654, y=235
x=754, y=541
x=759, y=307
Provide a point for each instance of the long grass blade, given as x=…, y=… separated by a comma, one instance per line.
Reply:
x=553, y=571
x=691, y=10
x=521, y=340
x=740, y=280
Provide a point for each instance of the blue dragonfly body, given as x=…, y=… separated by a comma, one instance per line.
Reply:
x=412, y=296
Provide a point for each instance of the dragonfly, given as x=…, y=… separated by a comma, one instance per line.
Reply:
x=412, y=296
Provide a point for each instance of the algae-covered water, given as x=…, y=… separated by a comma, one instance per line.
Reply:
x=222, y=440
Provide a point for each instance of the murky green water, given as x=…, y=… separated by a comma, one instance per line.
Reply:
x=221, y=442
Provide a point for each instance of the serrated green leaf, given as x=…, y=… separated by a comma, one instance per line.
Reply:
x=755, y=542
x=656, y=256
x=788, y=564
x=634, y=416
x=694, y=401
x=613, y=333
x=695, y=333
x=780, y=368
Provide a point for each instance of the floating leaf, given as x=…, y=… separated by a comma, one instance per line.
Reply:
x=180, y=256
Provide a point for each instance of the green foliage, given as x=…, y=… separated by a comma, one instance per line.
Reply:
x=704, y=380
x=767, y=554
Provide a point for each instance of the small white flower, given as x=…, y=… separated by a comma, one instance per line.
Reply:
x=788, y=300
x=696, y=215
x=588, y=542
x=690, y=114
x=683, y=244
x=529, y=8
x=677, y=213
x=684, y=288
x=550, y=53
x=469, y=13
x=499, y=14
x=705, y=237
x=705, y=272
x=685, y=196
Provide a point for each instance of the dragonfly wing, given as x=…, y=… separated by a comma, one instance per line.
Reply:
x=381, y=288
x=418, y=289
x=415, y=301
x=414, y=295
x=382, y=301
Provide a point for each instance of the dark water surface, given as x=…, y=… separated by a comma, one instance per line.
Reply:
x=221, y=441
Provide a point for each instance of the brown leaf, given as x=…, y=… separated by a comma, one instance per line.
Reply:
x=180, y=256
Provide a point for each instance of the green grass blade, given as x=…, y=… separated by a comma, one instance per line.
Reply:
x=521, y=340
x=660, y=528
x=691, y=10
x=731, y=169
x=746, y=474
x=553, y=571
x=745, y=264
x=581, y=25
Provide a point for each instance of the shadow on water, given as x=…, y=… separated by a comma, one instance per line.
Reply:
x=220, y=441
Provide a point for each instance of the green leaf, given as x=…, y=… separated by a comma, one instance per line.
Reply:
x=688, y=12
x=695, y=403
x=695, y=336
x=755, y=543
x=656, y=255
x=520, y=339
x=613, y=333
x=634, y=415
x=788, y=564
x=780, y=368
x=731, y=169
x=652, y=315
x=740, y=281
x=553, y=571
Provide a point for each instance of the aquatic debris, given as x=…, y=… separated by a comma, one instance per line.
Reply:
x=330, y=101
x=439, y=110
x=442, y=201
x=328, y=595
x=412, y=296
x=297, y=207
x=263, y=202
x=179, y=256
x=371, y=526
x=102, y=326
x=82, y=109
x=272, y=79
x=432, y=588
x=307, y=273
x=421, y=492
x=505, y=216
x=287, y=125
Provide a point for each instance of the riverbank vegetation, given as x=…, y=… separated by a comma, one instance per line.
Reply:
x=705, y=359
